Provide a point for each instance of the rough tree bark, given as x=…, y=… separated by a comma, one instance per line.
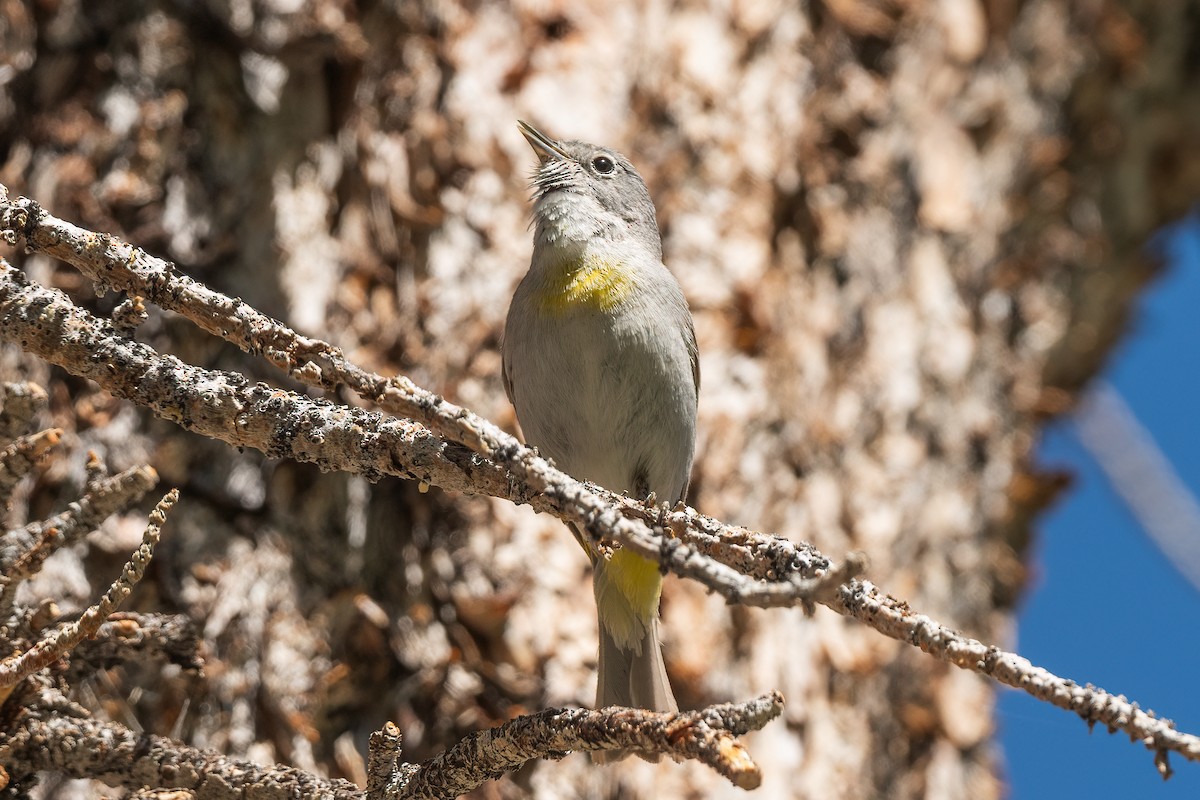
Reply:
x=909, y=232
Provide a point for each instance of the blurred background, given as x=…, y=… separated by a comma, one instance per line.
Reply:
x=912, y=235
x=1144, y=617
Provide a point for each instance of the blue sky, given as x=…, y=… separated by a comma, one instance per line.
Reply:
x=1104, y=604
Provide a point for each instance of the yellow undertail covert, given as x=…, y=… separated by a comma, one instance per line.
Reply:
x=639, y=580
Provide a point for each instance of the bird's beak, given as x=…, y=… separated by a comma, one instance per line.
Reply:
x=545, y=147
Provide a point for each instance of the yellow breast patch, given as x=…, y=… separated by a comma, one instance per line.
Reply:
x=590, y=284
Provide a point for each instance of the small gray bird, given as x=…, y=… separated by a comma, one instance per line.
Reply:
x=600, y=362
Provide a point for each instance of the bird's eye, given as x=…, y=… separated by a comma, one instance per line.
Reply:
x=603, y=164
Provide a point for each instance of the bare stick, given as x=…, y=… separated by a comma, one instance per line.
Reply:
x=17, y=667
x=24, y=566
x=110, y=262
x=55, y=735
x=22, y=551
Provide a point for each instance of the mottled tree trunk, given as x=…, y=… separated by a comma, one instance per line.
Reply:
x=908, y=231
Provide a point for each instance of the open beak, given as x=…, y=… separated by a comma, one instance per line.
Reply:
x=545, y=147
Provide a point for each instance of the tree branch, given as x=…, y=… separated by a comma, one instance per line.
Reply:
x=19, y=458
x=706, y=735
x=23, y=550
x=53, y=647
x=103, y=499
x=137, y=637
x=745, y=566
x=69, y=741
x=47, y=736
x=110, y=262
x=283, y=424
x=892, y=617
x=382, y=756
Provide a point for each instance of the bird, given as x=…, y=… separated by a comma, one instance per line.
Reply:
x=601, y=364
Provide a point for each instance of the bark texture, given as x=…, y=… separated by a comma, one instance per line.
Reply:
x=908, y=231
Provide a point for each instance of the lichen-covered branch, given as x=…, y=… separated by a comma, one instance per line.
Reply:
x=894, y=618
x=707, y=735
x=24, y=550
x=127, y=636
x=45, y=738
x=746, y=567
x=103, y=499
x=23, y=566
x=19, y=458
x=53, y=735
x=223, y=405
x=382, y=760
x=19, y=666
x=284, y=424
x=108, y=261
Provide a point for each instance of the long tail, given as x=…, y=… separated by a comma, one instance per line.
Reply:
x=632, y=672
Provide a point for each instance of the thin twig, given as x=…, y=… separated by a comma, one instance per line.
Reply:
x=17, y=667
x=22, y=551
x=891, y=617
x=103, y=499
x=21, y=456
x=55, y=735
x=24, y=566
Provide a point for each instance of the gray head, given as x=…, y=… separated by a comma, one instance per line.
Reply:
x=583, y=190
